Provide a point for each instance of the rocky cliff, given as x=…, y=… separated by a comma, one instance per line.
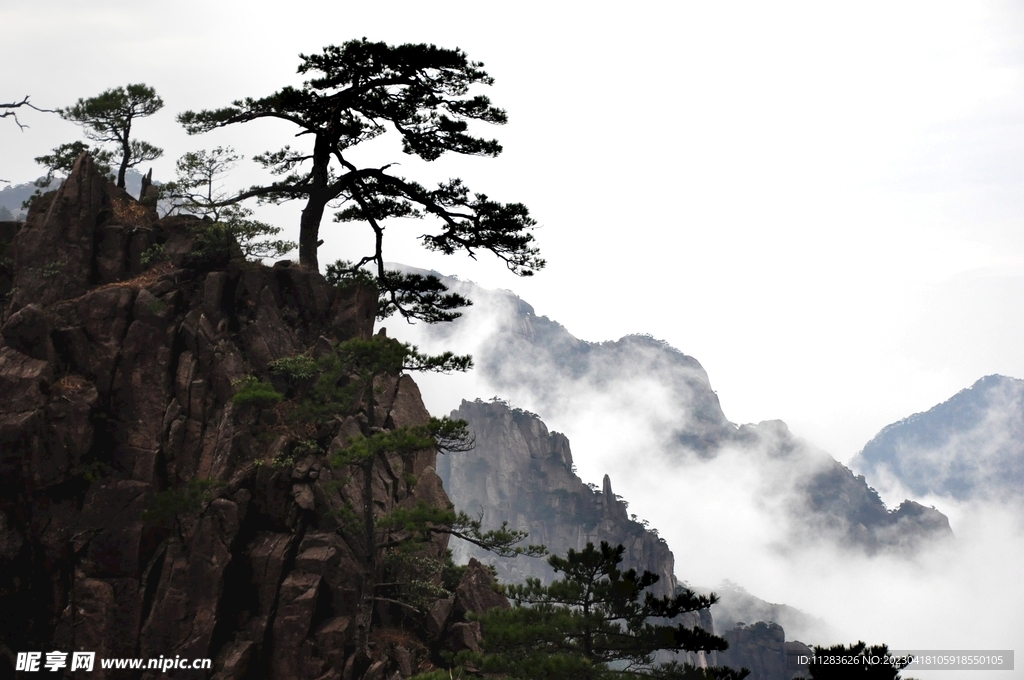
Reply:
x=521, y=473
x=144, y=510
x=762, y=649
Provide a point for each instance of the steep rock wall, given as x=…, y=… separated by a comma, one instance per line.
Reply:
x=521, y=473
x=143, y=513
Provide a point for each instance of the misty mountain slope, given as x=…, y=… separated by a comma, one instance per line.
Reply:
x=11, y=198
x=736, y=606
x=641, y=397
x=519, y=472
x=968, y=447
x=824, y=499
x=522, y=353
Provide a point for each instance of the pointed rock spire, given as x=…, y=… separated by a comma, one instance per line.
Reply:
x=53, y=252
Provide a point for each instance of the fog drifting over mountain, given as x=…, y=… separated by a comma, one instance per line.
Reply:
x=725, y=515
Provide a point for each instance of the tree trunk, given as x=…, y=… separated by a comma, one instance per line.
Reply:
x=126, y=153
x=309, y=232
x=125, y=157
x=319, y=195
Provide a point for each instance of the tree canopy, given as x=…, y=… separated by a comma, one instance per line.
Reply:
x=853, y=662
x=107, y=118
x=596, y=622
x=197, y=190
x=363, y=90
x=63, y=157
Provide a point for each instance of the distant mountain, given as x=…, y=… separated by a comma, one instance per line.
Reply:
x=11, y=199
x=532, y=359
x=12, y=196
x=970, y=446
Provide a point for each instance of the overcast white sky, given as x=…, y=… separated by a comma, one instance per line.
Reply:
x=821, y=202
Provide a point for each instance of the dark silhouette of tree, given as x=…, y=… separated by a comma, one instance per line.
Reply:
x=596, y=622
x=197, y=187
x=828, y=663
x=197, y=191
x=62, y=159
x=365, y=90
x=108, y=117
x=10, y=110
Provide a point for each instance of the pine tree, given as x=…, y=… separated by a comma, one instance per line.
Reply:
x=596, y=622
x=196, y=190
x=398, y=550
x=108, y=117
x=364, y=90
x=830, y=665
x=62, y=159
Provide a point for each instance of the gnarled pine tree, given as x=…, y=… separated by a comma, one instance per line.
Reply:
x=108, y=117
x=365, y=90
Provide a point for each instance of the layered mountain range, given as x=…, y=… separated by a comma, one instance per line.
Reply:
x=533, y=360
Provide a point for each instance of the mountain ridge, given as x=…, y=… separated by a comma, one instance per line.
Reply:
x=535, y=360
x=969, y=444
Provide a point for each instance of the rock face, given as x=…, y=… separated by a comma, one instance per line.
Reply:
x=142, y=512
x=762, y=649
x=666, y=394
x=521, y=473
x=968, y=447
x=759, y=647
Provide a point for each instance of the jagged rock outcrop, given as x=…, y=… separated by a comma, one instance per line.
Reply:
x=758, y=647
x=762, y=647
x=521, y=473
x=144, y=513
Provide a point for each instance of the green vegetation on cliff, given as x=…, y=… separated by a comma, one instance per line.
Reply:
x=596, y=622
